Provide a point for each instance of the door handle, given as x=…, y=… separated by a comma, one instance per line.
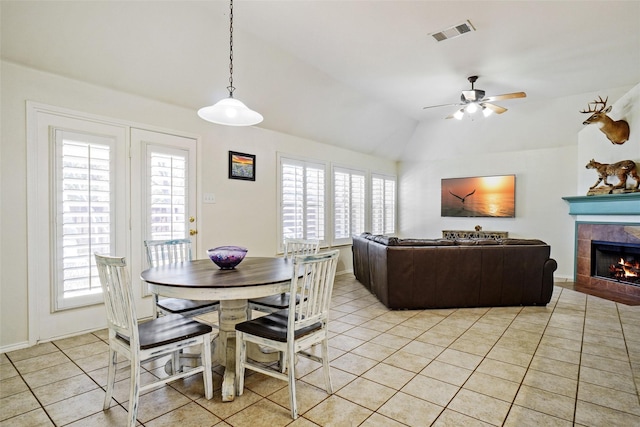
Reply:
x=193, y=232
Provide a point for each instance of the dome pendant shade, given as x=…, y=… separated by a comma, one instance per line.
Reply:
x=230, y=112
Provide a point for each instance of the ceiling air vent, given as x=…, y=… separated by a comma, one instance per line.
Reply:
x=455, y=31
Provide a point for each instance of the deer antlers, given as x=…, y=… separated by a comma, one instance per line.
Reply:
x=595, y=104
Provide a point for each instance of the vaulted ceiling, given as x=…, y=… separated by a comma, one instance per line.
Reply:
x=354, y=74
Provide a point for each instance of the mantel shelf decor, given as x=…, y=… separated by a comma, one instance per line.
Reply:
x=608, y=204
x=473, y=234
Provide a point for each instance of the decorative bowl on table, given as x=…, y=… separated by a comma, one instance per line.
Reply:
x=227, y=257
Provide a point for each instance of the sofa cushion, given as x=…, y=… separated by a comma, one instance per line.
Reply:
x=386, y=240
x=424, y=242
x=522, y=242
x=476, y=242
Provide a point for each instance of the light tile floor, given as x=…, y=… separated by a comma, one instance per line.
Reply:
x=574, y=362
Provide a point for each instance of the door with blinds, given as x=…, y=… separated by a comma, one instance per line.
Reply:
x=77, y=206
x=96, y=185
x=166, y=194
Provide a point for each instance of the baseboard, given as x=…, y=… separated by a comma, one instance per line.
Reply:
x=340, y=273
x=14, y=347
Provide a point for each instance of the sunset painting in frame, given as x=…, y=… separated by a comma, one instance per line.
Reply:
x=485, y=196
x=242, y=166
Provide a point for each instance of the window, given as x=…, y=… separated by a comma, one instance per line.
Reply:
x=302, y=199
x=357, y=203
x=167, y=193
x=383, y=204
x=348, y=204
x=85, y=214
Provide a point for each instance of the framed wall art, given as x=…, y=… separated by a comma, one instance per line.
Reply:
x=242, y=166
x=483, y=196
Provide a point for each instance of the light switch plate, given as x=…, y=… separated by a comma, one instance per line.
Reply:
x=209, y=198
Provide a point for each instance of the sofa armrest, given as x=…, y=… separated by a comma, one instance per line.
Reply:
x=547, y=280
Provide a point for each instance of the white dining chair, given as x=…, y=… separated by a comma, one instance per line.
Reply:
x=139, y=342
x=273, y=303
x=295, y=330
x=162, y=252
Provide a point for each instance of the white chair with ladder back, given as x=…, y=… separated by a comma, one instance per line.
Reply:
x=295, y=330
x=162, y=252
x=139, y=342
x=273, y=303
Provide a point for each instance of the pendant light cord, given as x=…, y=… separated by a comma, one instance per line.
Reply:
x=230, y=87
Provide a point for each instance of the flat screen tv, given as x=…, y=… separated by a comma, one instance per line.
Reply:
x=480, y=196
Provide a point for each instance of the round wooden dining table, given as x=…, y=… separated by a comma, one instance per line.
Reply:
x=203, y=280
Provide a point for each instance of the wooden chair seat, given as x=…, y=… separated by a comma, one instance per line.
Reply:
x=274, y=327
x=273, y=303
x=167, y=330
x=186, y=306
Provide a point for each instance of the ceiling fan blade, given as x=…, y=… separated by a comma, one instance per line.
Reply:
x=456, y=115
x=495, y=108
x=505, y=96
x=442, y=105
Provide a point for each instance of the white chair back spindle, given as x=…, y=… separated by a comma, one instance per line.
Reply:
x=314, y=287
x=114, y=279
x=162, y=252
x=293, y=247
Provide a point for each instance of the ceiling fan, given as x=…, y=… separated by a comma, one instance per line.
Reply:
x=474, y=100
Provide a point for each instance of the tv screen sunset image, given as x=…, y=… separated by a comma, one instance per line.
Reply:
x=486, y=196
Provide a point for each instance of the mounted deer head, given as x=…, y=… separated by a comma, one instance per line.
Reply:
x=617, y=131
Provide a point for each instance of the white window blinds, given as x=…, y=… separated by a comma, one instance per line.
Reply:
x=85, y=214
x=167, y=204
x=383, y=204
x=302, y=199
x=348, y=204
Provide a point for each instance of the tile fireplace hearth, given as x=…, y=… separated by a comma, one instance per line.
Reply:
x=608, y=240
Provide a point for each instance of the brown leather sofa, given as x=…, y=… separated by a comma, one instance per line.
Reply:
x=438, y=273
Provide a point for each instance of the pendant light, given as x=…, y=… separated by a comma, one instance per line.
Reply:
x=230, y=111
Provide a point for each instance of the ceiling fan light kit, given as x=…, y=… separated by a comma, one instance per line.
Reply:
x=230, y=111
x=472, y=108
x=473, y=100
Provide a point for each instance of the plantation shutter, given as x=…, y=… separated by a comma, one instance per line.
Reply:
x=383, y=204
x=349, y=204
x=167, y=204
x=302, y=199
x=84, y=214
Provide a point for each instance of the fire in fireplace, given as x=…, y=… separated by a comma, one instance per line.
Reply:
x=616, y=261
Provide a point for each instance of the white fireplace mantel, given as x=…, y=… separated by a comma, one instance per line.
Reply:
x=608, y=204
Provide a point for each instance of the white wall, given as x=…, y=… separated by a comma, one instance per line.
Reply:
x=537, y=141
x=244, y=213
